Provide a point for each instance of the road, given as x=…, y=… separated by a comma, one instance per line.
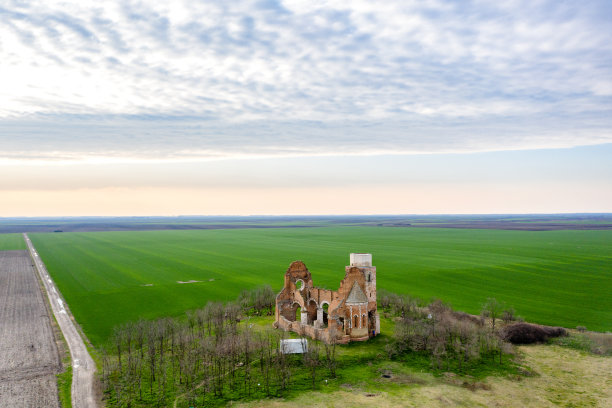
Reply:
x=83, y=367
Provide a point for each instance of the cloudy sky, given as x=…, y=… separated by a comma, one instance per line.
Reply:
x=305, y=107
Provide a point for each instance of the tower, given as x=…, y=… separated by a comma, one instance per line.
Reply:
x=348, y=314
x=364, y=263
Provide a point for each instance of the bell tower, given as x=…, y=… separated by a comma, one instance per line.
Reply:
x=364, y=263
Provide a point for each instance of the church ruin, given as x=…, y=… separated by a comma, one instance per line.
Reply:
x=348, y=314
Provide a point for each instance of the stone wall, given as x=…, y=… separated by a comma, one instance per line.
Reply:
x=342, y=308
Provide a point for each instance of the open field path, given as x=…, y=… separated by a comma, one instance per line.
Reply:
x=83, y=367
x=29, y=358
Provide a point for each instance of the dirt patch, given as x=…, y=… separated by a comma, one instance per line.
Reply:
x=388, y=376
x=32, y=392
x=30, y=358
x=476, y=385
x=189, y=281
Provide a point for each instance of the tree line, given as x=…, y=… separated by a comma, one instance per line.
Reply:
x=217, y=354
x=212, y=355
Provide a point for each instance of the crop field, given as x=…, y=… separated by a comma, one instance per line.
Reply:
x=550, y=277
x=11, y=242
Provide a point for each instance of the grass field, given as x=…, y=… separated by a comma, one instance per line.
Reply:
x=551, y=277
x=10, y=242
x=563, y=377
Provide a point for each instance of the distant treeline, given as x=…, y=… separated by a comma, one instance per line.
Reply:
x=500, y=221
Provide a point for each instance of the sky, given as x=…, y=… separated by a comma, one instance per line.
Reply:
x=305, y=107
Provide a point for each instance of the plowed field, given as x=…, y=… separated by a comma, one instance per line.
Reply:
x=29, y=358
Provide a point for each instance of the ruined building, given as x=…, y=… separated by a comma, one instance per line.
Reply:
x=348, y=314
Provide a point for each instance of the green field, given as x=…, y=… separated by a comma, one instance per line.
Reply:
x=10, y=242
x=551, y=277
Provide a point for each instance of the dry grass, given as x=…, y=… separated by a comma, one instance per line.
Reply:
x=602, y=342
x=562, y=377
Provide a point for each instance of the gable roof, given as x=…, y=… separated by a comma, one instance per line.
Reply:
x=356, y=295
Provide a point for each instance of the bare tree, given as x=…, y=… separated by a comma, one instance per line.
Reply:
x=312, y=361
x=330, y=352
x=508, y=315
x=117, y=339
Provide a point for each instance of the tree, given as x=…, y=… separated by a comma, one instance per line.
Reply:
x=330, y=352
x=493, y=309
x=311, y=360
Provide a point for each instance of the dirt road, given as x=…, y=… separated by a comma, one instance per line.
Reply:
x=29, y=358
x=83, y=367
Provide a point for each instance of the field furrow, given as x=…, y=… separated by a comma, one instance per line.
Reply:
x=29, y=357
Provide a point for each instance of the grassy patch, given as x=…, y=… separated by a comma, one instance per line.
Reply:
x=560, y=377
x=135, y=274
x=64, y=384
x=596, y=343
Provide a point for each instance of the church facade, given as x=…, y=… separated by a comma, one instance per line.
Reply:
x=348, y=314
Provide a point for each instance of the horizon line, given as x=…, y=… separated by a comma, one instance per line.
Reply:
x=306, y=215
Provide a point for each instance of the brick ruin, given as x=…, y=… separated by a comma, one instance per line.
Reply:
x=348, y=314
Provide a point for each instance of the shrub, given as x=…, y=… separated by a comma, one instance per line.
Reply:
x=450, y=338
x=508, y=315
x=384, y=299
x=259, y=301
x=525, y=333
x=462, y=316
x=593, y=342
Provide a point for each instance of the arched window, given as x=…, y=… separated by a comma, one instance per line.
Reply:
x=356, y=321
x=364, y=321
x=325, y=308
x=298, y=314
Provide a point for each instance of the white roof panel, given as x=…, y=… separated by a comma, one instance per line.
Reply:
x=294, y=346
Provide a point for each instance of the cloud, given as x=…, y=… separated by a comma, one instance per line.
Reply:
x=182, y=79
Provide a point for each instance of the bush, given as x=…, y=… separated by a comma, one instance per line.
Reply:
x=384, y=299
x=448, y=337
x=462, y=316
x=259, y=301
x=593, y=342
x=525, y=333
x=508, y=315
